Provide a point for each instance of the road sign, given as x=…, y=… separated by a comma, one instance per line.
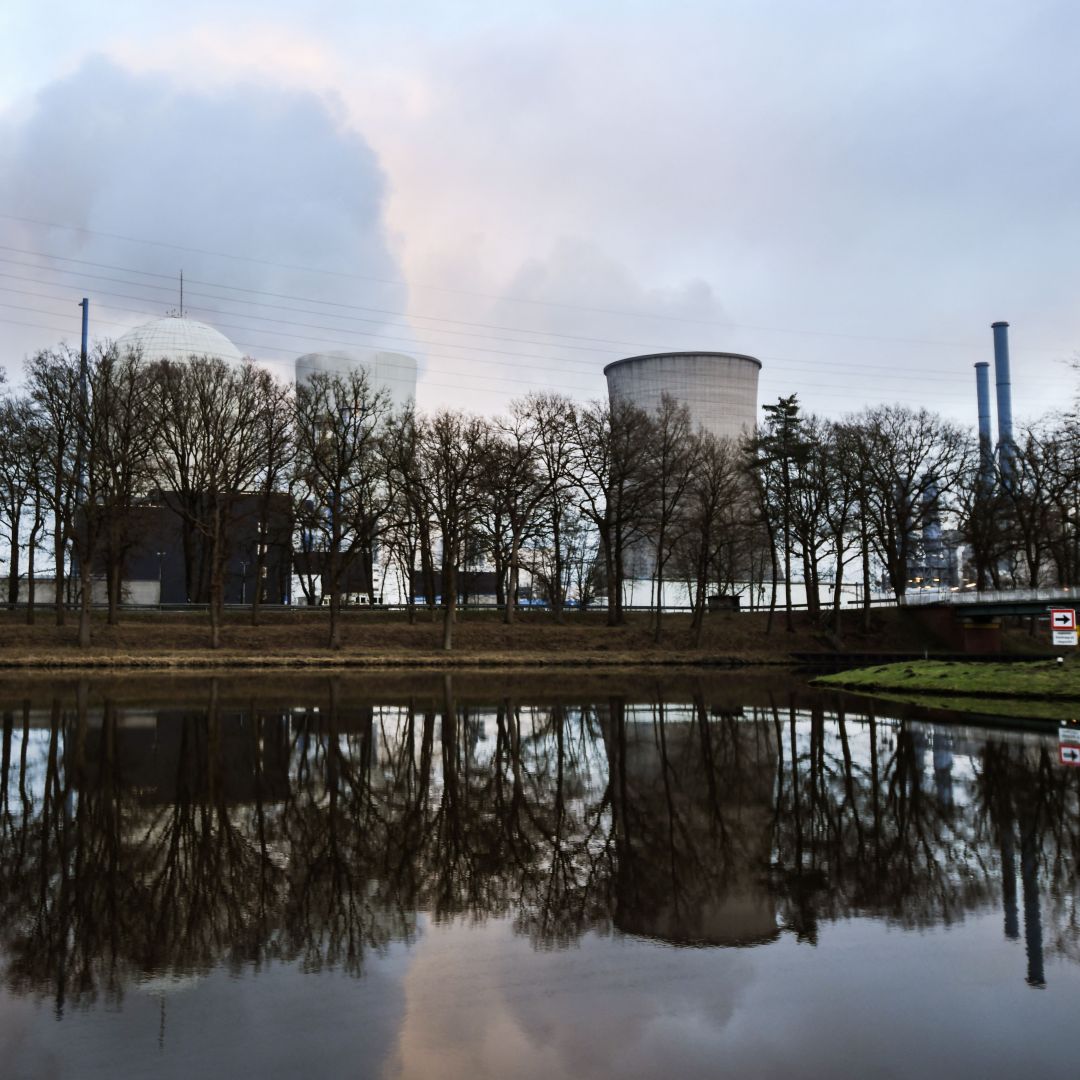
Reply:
x=1069, y=755
x=1069, y=736
x=1062, y=618
x=1064, y=637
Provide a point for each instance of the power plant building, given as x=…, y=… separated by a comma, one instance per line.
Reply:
x=719, y=389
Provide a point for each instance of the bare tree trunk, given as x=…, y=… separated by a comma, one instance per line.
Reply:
x=557, y=576
x=86, y=592
x=335, y=621
x=427, y=566
x=261, y=555
x=30, y=575
x=449, y=604
x=13, y=564
x=512, y=583
x=865, y=543
x=217, y=581
x=58, y=556
x=115, y=573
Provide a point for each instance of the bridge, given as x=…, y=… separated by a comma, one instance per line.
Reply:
x=975, y=603
x=971, y=618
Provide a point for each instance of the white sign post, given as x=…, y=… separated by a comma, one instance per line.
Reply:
x=1063, y=626
x=1069, y=746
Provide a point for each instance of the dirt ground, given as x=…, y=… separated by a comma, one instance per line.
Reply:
x=299, y=638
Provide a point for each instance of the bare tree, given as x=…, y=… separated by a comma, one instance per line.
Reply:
x=912, y=460
x=672, y=461
x=341, y=489
x=451, y=450
x=207, y=454
x=717, y=501
x=21, y=449
x=53, y=381
x=551, y=418
x=609, y=472
x=520, y=487
x=275, y=420
x=119, y=463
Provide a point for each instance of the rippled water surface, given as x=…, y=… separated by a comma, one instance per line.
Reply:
x=529, y=876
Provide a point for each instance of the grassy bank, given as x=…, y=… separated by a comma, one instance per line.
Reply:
x=374, y=639
x=1041, y=680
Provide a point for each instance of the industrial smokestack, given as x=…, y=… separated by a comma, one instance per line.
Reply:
x=986, y=440
x=1004, y=396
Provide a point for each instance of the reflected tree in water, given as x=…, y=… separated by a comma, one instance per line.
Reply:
x=139, y=842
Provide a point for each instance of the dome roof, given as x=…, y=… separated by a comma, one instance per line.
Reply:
x=179, y=339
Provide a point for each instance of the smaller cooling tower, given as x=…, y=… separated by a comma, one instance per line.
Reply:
x=719, y=389
x=393, y=372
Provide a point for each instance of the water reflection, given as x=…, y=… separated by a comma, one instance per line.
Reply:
x=143, y=841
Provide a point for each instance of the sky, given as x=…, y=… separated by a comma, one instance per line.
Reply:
x=519, y=194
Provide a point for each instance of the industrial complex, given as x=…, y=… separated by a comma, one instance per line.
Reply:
x=718, y=389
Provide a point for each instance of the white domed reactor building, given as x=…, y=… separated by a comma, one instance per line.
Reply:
x=719, y=389
x=179, y=339
x=394, y=372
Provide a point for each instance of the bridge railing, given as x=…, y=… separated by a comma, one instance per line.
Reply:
x=1051, y=594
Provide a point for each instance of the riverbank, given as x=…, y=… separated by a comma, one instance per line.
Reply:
x=1041, y=680
x=384, y=639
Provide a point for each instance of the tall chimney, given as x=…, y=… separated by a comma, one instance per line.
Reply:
x=986, y=439
x=1004, y=397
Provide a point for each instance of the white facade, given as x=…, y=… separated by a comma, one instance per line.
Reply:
x=394, y=372
x=719, y=389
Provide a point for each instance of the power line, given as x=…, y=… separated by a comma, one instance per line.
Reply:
x=493, y=296
x=794, y=362
x=846, y=390
x=549, y=364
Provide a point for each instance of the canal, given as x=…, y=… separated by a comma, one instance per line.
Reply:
x=536, y=875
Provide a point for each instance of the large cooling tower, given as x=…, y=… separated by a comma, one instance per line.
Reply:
x=394, y=372
x=719, y=389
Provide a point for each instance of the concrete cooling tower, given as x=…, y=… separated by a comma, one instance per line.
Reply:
x=393, y=372
x=719, y=389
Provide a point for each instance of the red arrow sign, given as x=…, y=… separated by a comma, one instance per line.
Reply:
x=1062, y=618
x=1069, y=755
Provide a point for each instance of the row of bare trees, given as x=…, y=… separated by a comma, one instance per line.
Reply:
x=584, y=499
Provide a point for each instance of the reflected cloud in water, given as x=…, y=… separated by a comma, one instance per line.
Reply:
x=502, y=864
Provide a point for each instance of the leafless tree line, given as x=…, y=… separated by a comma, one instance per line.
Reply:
x=584, y=499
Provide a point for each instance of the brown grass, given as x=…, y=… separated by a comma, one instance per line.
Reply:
x=297, y=639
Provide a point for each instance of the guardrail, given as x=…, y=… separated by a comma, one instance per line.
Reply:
x=1058, y=594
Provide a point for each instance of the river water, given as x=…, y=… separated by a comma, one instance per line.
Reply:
x=529, y=876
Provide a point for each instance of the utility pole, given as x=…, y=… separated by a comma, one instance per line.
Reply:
x=80, y=449
x=83, y=397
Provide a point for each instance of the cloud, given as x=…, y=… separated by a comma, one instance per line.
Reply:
x=190, y=176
